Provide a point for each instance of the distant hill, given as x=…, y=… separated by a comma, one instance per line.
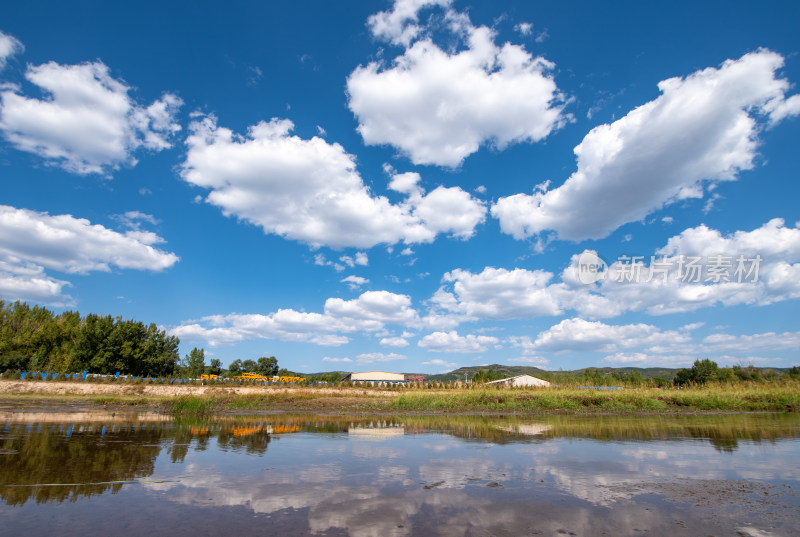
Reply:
x=513, y=370
x=507, y=370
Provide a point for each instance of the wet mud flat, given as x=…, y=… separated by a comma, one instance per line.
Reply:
x=130, y=474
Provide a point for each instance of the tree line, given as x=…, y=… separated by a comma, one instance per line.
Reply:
x=702, y=372
x=33, y=338
x=706, y=371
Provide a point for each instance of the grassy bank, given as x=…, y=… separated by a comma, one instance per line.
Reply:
x=750, y=398
x=571, y=401
x=723, y=399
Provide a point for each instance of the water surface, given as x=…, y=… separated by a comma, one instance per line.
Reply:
x=144, y=474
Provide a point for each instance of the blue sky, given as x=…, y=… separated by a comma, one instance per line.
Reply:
x=410, y=186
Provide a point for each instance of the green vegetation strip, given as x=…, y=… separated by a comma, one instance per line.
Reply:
x=784, y=397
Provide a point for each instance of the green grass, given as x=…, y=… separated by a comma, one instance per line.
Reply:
x=784, y=397
x=193, y=405
x=717, y=398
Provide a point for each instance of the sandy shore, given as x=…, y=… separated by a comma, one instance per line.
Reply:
x=28, y=387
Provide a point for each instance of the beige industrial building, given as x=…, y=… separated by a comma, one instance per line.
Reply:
x=376, y=377
x=520, y=380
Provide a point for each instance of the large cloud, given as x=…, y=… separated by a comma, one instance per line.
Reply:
x=370, y=312
x=640, y=343
x=756, y=267
x=701, y=129
x=581, y=335
x=502, y=294
x=87, y=123
x=439, y=107
x=309, y=190
x=31, y=241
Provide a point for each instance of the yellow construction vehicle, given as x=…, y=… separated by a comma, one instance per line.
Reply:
x=291, y=379
x=251, y=377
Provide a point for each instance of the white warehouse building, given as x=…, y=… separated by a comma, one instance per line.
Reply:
x=520, y=380
x=376, y=377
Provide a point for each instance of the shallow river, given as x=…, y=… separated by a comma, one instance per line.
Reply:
x=94, y=473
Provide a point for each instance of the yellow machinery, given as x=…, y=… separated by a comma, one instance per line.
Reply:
x=290, y=379
x=253, y=377
x=209, y=377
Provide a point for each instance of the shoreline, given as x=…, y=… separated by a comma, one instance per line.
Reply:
x=215, y=399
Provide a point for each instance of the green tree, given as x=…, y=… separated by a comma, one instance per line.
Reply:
x=682, y=377
x=702, y=372
x=726, y=375
x=215, y=368
x=196, y=363
x=483, y=376
x=235, y=368
x=267, y=366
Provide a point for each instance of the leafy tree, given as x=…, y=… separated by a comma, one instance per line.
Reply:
x=702, y=371
x=235, y=368
x=267, y=366
x=249, y=366
x=682, y=377
x=726, y=374
x=196, y=363
x=215, y=368
x=483, y=376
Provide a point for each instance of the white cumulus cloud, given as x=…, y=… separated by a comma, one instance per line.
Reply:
x=370, y=312
x=354, y=282
x=452, y=342
x=310, y=191
x=757, y=267
x=438, y=107
x=28, y=282
x=394, y=342
x=87, y=122
x=32, y=241
x=702, y=129
x=580, y=335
